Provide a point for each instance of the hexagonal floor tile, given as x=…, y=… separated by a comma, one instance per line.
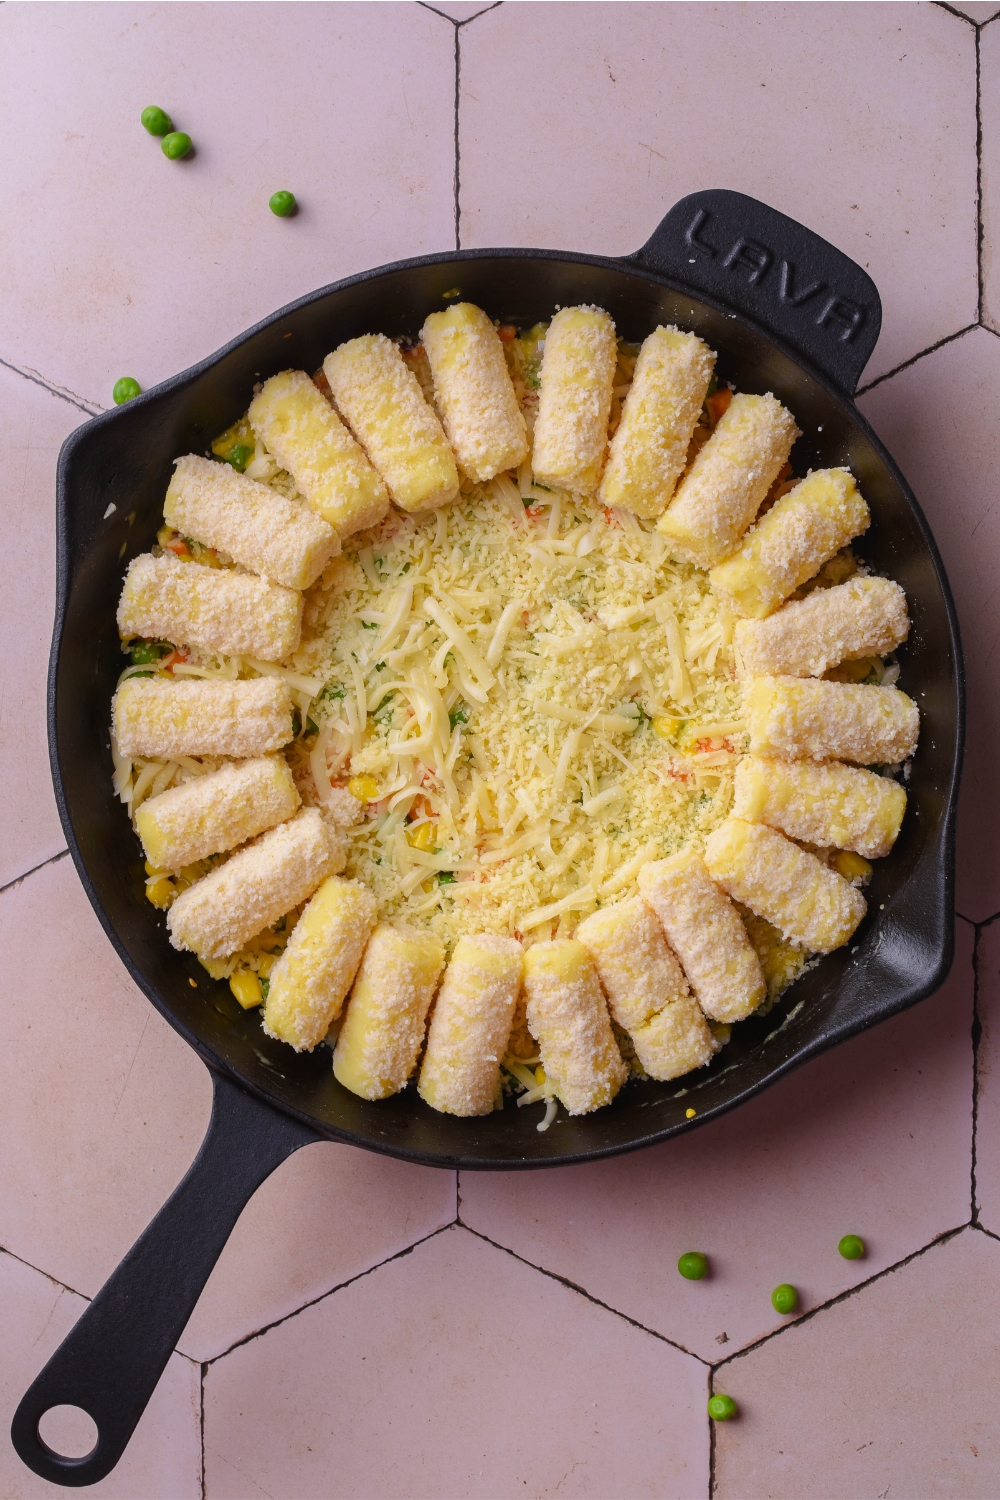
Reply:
x=116, y=261
x=36, y=424
x=456, y=1371
x=103, y=1108
x=938, y=419
x=881, y=1395
x=164, y=1456
x=988, y=1078
x=872, y=1139
x=990, y=107
x=861, y=124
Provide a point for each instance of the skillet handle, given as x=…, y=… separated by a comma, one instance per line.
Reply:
x=111, y=1360
x=767, y=267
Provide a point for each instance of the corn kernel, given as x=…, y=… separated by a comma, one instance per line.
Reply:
x=153, y=870
x=246, y=987
x=852, y=866
x=365, y=788
x=424, y=837
x=666, y=727
x=689, y=1114
x=539, y=1075
x=161, y=892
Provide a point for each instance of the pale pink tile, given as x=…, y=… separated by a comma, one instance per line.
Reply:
x=455, y=1371
x=988, y=1078
x=327, y=1214
x=989, y=43
x=888, y=1394
x=36, y=422
x=938, y=420
x=116, y=261
x=872, y=1139
x=859, y=120
x=163, y=1460
x=102, y=1106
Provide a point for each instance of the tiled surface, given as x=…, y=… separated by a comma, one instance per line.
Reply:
x=905, y=1366
x=988, y=1078
x=643, y=103
x=163, y=1461
x=349, y=106
x=951, y=464
x=467, y=1368
x=847, y=1145
x=36, y=422
x=443, y=1387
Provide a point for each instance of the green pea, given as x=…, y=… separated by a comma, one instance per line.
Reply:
x=693, y=1266
x=126, y=389
x=283, y=204
x=784, y=1298
x=147, y=651
x=156, y=120
x=721, y=1408
x=851, y=1247
x=446, y=877
x=175, y=145
x=240, y=457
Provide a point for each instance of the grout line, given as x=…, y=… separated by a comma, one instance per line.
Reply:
x=4, y=1250
x=711, y=1439
x=987, y=921
x=201, y=1403
x=851, y=1291
x=458, y=149
x=979, y=176
x=977, y=1036
x=33, y=871
x=981, y=1228
x=589, y=1296
x=54, y=390
x=458, y=1198
x=257, y=1333
x=931, y=349
x=967, y=920
x=942, y=5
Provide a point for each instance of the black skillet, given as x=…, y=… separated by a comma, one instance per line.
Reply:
x=787, y=313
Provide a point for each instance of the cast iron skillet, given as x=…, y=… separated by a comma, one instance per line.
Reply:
x=787, y=313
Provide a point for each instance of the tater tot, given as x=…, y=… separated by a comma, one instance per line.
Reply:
x=863, y=617
x=643, y=981
x=574, y=402
x=827, y=805
x=569, y=1020
x=384, y=1026
x=705, y=931
x=801, y=718
x=470, y=1025
x=474, y=391
x=810, y=905
x=313, y=975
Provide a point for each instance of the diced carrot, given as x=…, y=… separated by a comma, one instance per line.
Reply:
x=507, y=332
x=179, y=547
x=719, y=403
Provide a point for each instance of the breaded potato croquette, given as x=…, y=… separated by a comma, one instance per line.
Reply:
x=827, y=805
x=726, y=485
x=569, y=1020
x=221, y=912
x=792, y=542
x=649, y=450
x=313, y=975
x=297, y=424
x=382, y=403
x=474, y=391
x=209, y=608
x=383, y=1029
x=470, y=1025
x=704, y=929
x=810, y=904
x=255, y=525
x=800, y=718
x=643, y=982
x=574, y=403
x=863, y=617
x=215, y=812
x=161, y=718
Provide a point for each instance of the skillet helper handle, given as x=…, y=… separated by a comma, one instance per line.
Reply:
x=765, y=266
x=111, y=1360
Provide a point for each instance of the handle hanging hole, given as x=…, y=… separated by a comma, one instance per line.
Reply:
x=69, y=1431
